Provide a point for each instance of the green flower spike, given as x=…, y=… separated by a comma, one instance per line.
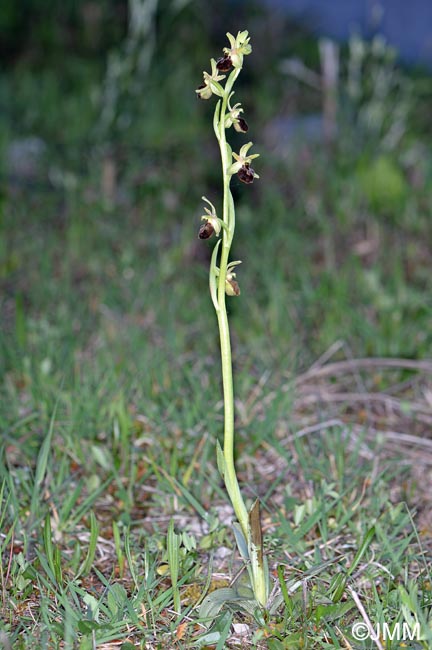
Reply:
x=239, y=48
x=211, y=83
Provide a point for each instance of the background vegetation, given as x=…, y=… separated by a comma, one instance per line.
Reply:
x=110, y=384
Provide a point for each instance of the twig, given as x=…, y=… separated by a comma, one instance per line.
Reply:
x=340, y=367
x=365, y=617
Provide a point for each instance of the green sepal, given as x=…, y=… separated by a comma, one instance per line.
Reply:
x=216, y=88
x=213, y=275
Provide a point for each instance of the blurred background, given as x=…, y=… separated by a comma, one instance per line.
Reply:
x=106, y=152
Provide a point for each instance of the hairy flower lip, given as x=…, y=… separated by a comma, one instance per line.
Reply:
x=203, y=92
x=224, y=63
x=232, y=287
x=241, y=126
x=206, y=230
x=246, y=174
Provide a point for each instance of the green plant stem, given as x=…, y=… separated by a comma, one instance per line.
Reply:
x=230, y=477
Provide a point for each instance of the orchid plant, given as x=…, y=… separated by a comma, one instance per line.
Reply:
x=223, y=283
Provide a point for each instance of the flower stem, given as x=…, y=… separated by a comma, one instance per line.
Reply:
x=230, y=477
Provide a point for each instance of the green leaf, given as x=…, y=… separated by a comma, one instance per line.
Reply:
x=91, y=551
x=216, y=118
x=92, y=607
x=337, y=586
x=225, y=631
x=213, y=603
x=241, y=542
x=229, y=153
x=192, y=500
x=117, y=542
x=42, y=463
x=231, y=212
x=209, y=639
x=116, y=598
x=48, y=545
x=173, y=547
x=362, y=550
x=284, y=590
x=58, y=566
x=128, y=553
x=220, y=459
x=102, y=457
x=332, y=611
x=213, y=276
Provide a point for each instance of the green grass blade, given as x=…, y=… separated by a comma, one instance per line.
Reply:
x=173, y=548
x=91, y=551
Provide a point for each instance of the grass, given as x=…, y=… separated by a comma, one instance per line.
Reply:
x=112, y=510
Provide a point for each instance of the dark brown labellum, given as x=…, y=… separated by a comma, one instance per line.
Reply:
x=246, y=174
x=224, y=63
x=200, y=88
x=242, y=125
x=234, y=287
x=206, y=230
